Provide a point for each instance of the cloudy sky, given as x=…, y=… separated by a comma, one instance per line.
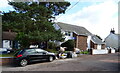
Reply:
x=98, y=16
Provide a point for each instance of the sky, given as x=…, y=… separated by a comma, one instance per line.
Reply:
x=97, y=16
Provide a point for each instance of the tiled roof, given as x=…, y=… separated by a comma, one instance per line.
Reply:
x=8, y=35
x=73, y=28
x=96, y=40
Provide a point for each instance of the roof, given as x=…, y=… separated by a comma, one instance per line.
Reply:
x=8, y=35
x=73, y=28
x=96, y=40
x=112, y=40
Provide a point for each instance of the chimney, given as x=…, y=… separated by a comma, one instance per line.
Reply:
x=112, y=31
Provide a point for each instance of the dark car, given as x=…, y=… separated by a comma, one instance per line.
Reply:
x=25, y=56
x=5, y=50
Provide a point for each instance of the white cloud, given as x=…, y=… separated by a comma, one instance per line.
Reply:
x=97, y=18
x=4, y=5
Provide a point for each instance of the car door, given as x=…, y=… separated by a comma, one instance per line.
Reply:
x=31, y=54
x=42, y=55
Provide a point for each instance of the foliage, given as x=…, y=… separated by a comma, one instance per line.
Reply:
x=84, y=52
x=69, y=44
x=7, y=55
x=52, y=45
x=52, y=50
x=33, y=21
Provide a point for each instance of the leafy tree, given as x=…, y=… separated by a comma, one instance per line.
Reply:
x=33, y=21
x=69, y=44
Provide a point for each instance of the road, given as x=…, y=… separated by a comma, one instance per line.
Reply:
x=108, y=62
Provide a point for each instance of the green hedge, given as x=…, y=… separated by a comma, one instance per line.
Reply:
x=69, y=44
x=84, y=52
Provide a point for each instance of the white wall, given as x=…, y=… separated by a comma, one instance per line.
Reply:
x=6, y=44
x=99, y=51
x=112, y=50
x=99, y=47
x=88, y=41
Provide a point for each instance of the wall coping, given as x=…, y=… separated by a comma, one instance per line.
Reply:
x=6, y=57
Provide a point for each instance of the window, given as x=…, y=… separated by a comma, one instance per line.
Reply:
x=30, y=51
x=68, y=33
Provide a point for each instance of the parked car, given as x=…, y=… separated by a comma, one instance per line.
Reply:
x=62, y=55
x=25, y=56
x=5, y=50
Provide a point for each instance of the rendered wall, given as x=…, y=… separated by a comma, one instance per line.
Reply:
x=99, y=51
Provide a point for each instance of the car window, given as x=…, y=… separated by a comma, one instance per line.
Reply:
x=30, y=51
x=39, y=50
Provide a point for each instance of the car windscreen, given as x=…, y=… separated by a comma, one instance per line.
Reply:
x=19, y=52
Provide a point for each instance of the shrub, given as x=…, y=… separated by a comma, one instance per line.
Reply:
x=52, y=50
x=69, y=44
x=52, y=45
x=84, y=52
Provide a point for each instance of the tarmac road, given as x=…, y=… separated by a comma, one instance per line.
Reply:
x=107, y=62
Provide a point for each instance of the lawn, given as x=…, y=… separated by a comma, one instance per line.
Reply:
x=7, y=55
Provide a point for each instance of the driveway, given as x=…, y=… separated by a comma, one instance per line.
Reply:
x=107, y=62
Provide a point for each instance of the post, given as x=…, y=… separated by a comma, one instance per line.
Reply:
x=0, y=31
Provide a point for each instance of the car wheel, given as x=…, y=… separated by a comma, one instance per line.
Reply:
x=50, y=58
x=23, y=62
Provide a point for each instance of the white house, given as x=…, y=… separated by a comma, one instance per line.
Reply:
x=84, y=40
x=96, y=46
x=113, y=40
x=77, y=33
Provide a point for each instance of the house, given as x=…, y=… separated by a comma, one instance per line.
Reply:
x=8, y=39
x=96, y=45
x=77, y=33
x=113, y=40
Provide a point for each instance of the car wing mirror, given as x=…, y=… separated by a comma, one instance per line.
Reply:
x=44, y=52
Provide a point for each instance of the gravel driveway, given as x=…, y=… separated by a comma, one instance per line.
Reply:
x=107, y=62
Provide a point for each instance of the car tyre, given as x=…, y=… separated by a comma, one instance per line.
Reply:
x=50, y=58
x=23, y=62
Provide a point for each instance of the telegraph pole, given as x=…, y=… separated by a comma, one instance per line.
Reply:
x=0, y=30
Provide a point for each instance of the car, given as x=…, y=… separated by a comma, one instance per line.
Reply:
x=62, y=55
x=25, y=56
x=5, y=50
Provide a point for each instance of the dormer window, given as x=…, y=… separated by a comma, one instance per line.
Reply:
x=67, y=33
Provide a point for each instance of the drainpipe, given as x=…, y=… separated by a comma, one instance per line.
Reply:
x=77, y=42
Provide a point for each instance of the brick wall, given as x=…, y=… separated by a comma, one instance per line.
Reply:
x=82, y=42
x=92, y=45
x=95, y=46
x=103, y=46
x=6, y=61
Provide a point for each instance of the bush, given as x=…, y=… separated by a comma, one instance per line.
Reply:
x=52, y=50
x=69, y=44
x=52, y=45
x=84, y=52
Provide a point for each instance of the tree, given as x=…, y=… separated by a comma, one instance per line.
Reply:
x=69, y=44
x=33, y=21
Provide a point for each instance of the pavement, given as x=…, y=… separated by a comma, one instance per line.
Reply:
x=106, y=62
